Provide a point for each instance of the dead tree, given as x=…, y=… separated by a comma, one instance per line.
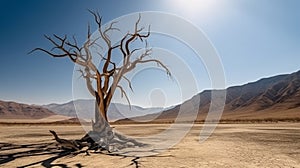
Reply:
x=107, y=77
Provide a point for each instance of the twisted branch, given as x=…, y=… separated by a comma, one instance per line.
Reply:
x=107, y=77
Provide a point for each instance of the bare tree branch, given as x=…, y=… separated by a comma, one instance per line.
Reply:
x=88, y=77
x=123, y=93
x=129, y=82
x=159, y=63
x=103, y=81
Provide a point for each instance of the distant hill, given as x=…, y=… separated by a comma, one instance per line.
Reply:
x=13, y=110
x=85, y=109
x=276, y=97
x=271, y=98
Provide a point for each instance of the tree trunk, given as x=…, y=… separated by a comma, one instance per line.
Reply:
x=101, y=137
x=101, y=122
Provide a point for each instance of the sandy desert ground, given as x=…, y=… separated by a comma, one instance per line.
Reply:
x=231, y=145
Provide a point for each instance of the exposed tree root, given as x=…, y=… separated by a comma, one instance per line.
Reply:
x=105, y=141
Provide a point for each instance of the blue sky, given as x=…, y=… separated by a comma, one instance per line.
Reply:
x=254, y=39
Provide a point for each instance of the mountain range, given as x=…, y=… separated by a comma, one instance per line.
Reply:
x=276, y=97
x=273, y=98
x=22, y=111
x=85, y=109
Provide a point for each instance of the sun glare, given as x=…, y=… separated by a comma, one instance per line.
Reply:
x=194, y=8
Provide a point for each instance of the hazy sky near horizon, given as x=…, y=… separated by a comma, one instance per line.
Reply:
x=254, y=39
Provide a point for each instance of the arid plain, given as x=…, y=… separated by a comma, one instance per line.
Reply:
x=231, y=145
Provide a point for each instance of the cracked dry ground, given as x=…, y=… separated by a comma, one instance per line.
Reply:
x=231, y=145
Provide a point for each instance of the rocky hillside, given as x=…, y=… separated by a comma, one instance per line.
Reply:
x=276, y=97
x=22, y=111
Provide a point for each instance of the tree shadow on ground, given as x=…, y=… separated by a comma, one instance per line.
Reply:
x=10, y=152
